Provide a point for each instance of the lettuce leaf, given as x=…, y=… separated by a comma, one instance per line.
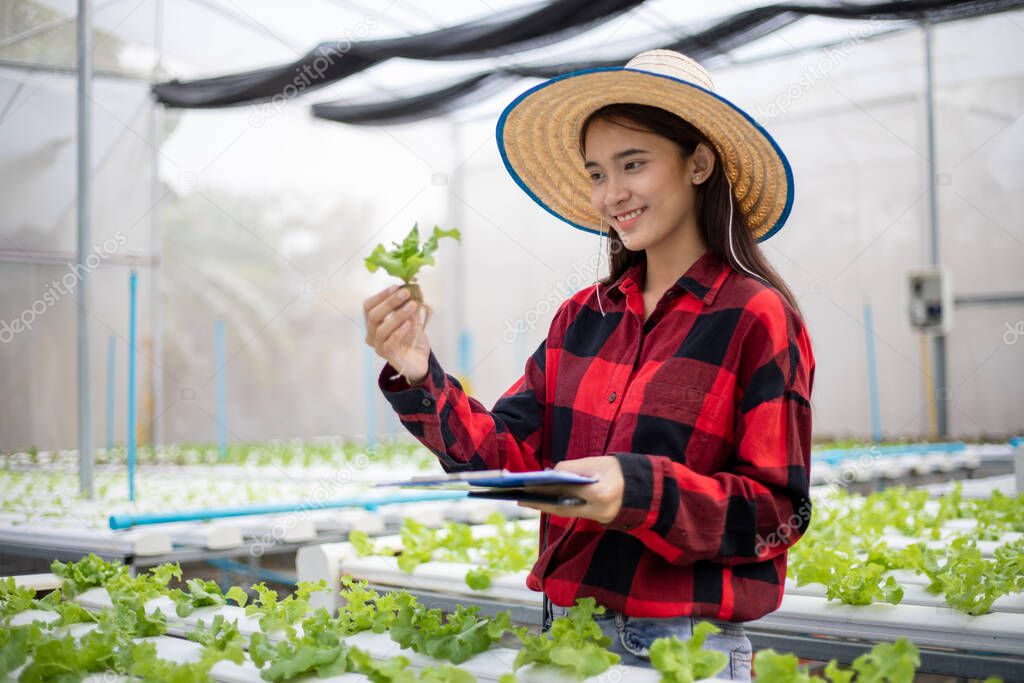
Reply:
x=406, y=259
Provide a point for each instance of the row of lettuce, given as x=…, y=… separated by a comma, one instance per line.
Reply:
x=294, y=641
x=512, y=547
x=331, y=451
x=851, y=549
x=305, y=453
x=848, y=547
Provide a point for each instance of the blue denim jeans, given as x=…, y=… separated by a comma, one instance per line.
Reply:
x=632, y=637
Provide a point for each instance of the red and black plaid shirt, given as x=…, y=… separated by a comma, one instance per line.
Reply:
x=707, y=408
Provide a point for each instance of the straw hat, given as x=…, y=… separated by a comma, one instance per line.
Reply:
x=538, y=137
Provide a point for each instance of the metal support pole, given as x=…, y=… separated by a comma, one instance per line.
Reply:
x=156, y=269
x=84, y=170
x=939, y=340
x=455, y=214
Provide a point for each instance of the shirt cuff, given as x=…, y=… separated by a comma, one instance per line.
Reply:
x=408, y=399
x=641, y=492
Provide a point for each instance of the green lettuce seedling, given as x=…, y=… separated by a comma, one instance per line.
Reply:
x=406, y=259
x=686, y=661
x=575, y=643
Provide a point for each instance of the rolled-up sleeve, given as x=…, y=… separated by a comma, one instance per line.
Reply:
x=461, y=431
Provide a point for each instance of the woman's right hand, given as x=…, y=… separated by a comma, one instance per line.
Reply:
x=395, y=331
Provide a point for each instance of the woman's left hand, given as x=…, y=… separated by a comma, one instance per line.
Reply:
x=604, y=498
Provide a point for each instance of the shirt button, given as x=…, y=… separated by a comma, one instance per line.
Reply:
x=611, y=397
x=426, y=403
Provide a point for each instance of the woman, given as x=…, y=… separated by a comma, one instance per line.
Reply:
x=683, y=383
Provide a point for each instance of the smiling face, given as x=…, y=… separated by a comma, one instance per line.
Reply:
x=632, y=170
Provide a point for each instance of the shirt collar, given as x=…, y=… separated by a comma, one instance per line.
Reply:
x=703, y=279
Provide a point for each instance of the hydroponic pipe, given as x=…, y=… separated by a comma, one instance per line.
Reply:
x=133, y=290
x=222, y=389
x=835, y=455
x=111, y=357
x=369, y=503
x=371, y=397
x=869, y=334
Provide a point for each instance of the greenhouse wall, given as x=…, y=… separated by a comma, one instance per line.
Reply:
x=281, y=263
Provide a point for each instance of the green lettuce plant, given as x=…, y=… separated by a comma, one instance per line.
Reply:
x=406, y=259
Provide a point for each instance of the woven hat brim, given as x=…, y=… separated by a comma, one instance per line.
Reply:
x=538, y=135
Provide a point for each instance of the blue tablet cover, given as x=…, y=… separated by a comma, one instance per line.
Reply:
x=496, y=479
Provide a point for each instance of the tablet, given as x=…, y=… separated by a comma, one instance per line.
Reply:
x=501, y=479
x=526, y=496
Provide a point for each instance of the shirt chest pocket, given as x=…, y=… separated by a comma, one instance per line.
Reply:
x=682, y=421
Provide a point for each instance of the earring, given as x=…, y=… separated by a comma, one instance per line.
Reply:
x=602, y=234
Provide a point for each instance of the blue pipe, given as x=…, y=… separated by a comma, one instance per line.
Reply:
x=465, y=352
x=522, y=352
x=222, y=391
x=255, y=572
x=111, y=357
x=369, y=503
x=133, y=286
x=836, y=455
x=869, y=333
x=371, y=397
x=394, y=426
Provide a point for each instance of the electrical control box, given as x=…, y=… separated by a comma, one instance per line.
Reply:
x=931, y=300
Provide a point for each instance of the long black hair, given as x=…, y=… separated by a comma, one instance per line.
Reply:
x=713, y=198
